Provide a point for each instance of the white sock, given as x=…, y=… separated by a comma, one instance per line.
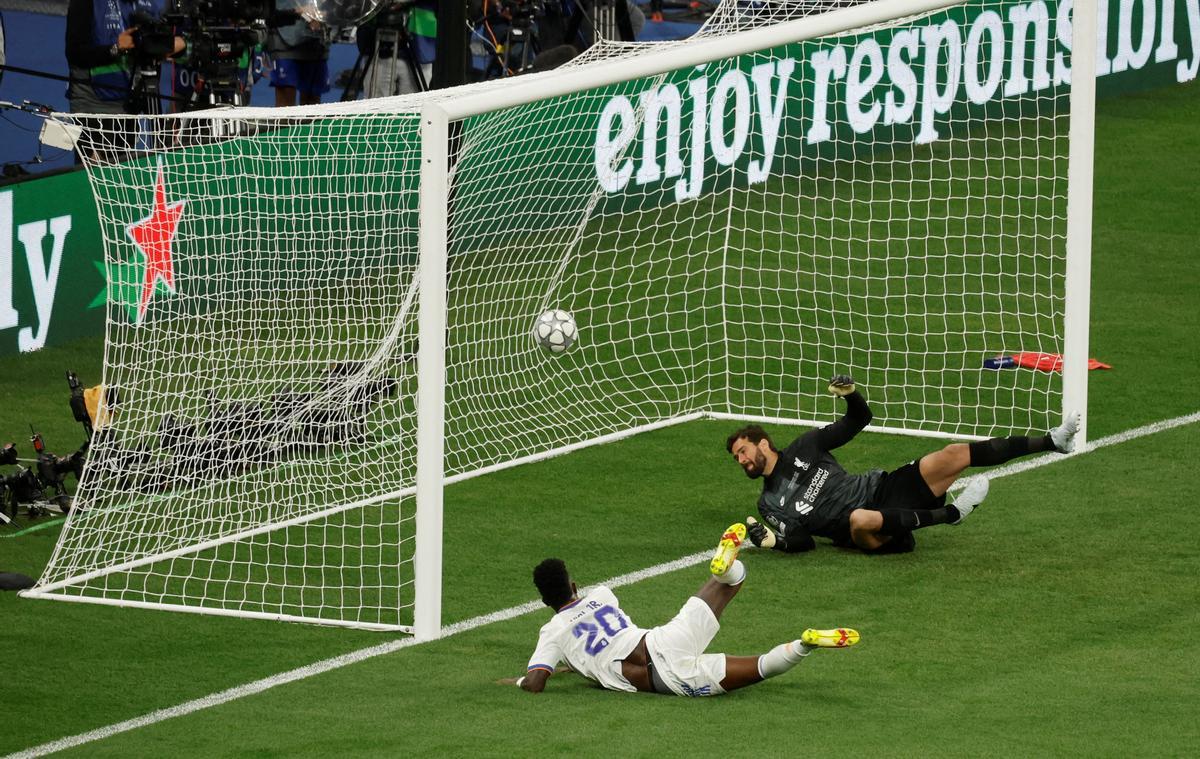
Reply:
x=781, y=658
x=734, y=575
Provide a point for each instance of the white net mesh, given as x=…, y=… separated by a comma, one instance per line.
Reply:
x=888, y=203
x=275, y=384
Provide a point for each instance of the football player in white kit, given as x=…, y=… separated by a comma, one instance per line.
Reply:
x=596, y=638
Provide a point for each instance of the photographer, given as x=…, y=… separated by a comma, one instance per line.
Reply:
x=298, y=45
x=103, y=48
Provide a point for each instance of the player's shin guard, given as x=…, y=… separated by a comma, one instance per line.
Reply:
x=781, y=658
x=999, y=450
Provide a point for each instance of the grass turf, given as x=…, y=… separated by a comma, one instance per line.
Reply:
x=1057, y=621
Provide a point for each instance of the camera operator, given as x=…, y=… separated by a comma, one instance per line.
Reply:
x=298, y=45
x=103, y=47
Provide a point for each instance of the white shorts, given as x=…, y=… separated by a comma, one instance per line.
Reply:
x=677, y=649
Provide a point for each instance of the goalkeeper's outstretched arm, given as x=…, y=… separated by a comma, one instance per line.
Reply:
x=858, y=415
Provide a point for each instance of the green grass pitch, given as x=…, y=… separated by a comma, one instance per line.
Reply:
x=1059, y=621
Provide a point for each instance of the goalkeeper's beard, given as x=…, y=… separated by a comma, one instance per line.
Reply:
x=756, y=469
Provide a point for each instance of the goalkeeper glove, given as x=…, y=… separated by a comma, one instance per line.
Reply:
x=841, y=385
x=759, y=534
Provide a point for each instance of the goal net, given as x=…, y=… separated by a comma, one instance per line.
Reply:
x=298, y=296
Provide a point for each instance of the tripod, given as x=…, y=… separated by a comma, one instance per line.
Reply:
x=378, y=73
x=609, y=19
x=112, y=138
x=515, y=52
x=145, y=99
x=144, y=94
x=521, y=44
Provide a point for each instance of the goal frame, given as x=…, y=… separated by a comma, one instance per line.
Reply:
x=438, y=117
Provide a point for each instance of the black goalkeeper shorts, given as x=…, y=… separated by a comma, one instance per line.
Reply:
x=902, y=488
x=905, y=488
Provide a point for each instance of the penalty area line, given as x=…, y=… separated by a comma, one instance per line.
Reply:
x=337, y=662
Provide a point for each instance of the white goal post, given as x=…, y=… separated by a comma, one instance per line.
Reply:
x=320, y=317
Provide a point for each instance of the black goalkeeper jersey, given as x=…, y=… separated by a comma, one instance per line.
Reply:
x=808, y=492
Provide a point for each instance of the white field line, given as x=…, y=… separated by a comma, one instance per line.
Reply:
x=317, y=668
x=1051, y=458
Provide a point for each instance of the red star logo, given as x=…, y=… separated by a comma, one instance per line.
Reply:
x=154, y=235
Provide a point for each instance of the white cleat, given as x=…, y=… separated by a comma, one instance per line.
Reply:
x=972, y=495
x=1063, y=436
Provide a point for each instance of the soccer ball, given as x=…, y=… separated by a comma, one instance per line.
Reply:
x=555, y=330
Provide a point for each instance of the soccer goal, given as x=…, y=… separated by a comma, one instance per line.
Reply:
x=320, y=317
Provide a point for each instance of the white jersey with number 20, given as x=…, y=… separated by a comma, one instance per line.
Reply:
x=593, y=635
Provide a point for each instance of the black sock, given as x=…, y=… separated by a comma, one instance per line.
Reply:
x=1001, y=449
x=896, y=521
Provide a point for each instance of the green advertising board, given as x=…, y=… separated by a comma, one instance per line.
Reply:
x=53, y=282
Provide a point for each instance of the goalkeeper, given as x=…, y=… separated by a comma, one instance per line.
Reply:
x=806, y=492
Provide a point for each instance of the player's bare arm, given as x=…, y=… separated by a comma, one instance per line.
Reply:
x=533, y=681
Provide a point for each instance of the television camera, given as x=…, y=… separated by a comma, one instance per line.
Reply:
x=29, y=485
x=518, y=36
x=388, y=61
x=220, y=37
x=513, y=50
x=21, y=486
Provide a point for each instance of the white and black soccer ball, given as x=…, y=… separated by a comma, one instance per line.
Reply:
x=555, y=330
